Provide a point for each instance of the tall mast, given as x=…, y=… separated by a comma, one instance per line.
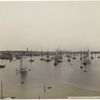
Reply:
x=89, y=54
x=1, y=90
x=41, y=53
x=31, y=54
x=21, y=64
x=60, y=54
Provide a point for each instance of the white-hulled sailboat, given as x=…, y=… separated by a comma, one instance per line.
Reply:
x=41, y=55
x=59, y=57
x=31, y=60
x=56, y=59
x=22, y=69
x=48, y=59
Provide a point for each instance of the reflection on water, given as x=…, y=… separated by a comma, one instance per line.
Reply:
x=23, y=76
x=65, y=79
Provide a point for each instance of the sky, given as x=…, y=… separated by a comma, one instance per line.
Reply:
x=68, y=25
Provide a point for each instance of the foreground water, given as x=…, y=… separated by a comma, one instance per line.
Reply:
x=65, y=79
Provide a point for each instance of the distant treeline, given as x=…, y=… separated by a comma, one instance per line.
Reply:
x=37, y=53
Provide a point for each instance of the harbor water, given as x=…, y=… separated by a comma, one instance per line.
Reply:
x=61, y=81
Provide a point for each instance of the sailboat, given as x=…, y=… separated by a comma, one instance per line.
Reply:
x=92, y=56
x=2, y=65
x=14, y=58
x=73, y=56
x=60, y=57
x=41, y=56
x=55, y=63
x=69, y=58
x=47, y=57
x=84, y=59
x=52, y=57
x=87, y=58
x=22, y=69
x=55, y=59
x=31, y=60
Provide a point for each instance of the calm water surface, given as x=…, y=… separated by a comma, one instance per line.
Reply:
x=65, y=79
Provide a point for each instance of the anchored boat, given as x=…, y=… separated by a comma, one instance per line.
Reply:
x=2, y=65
